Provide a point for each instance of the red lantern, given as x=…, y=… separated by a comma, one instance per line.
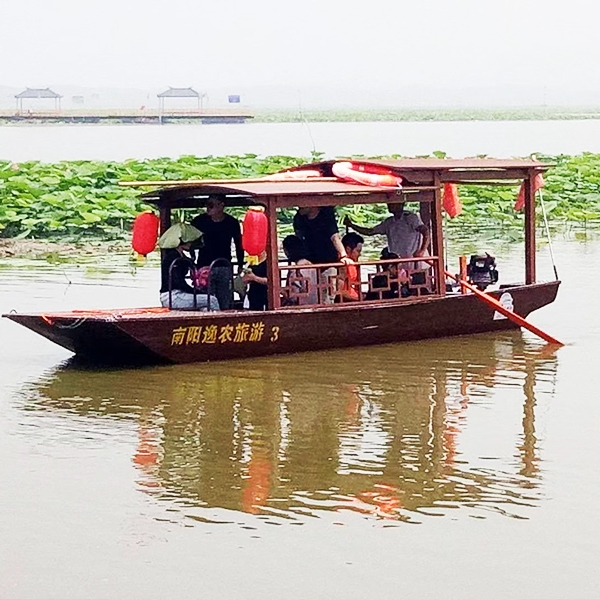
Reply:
x=145, y=233
x=451, y=201
x=254, y=235
x=538, y=182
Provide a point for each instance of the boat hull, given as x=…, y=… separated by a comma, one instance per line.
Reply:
x=155, y=336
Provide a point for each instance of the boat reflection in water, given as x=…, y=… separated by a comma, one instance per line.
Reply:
x=398, y=432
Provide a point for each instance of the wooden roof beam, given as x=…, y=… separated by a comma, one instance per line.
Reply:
x=483, y=176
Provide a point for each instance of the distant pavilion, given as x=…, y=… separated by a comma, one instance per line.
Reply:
x=38, y=94
x=179, y=93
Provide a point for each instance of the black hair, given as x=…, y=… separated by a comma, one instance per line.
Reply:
x=215, y=198
x=294, y=248
x=387, y=255
x=351, y=240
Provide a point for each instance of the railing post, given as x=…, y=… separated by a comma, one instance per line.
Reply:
x=462, y=269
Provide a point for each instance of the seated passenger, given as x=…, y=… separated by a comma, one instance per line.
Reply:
x=387, y=280
x=256, y=277
x=297, y=254
x=349, y=288
x=176, y=241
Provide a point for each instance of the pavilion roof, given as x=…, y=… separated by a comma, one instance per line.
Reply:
x=179, y=93
x=38, y=93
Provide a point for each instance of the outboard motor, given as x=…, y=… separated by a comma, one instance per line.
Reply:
x=481, y=270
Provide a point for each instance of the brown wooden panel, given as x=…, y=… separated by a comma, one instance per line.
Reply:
x=482, y=176
x=335, y=200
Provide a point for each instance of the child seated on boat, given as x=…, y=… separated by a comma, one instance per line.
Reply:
x=349, y=288
x=301, y=283
x=176, y=266
x=386, y=285
x=256, y=277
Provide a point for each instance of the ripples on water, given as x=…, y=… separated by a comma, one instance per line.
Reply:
x=394, y=433
x=369, y=468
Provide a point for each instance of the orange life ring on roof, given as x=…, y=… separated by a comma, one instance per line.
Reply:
x=371, y=168
x=347, y=171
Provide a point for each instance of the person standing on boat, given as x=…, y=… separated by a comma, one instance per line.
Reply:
x=317, y=227
x=176, y=265
x=219, y=230
x=406, y=234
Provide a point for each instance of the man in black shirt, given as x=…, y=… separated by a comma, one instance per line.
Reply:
x=317, y=227
x=219, y=230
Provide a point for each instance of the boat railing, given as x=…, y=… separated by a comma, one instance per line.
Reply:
x=369, y=281
x=211, y=283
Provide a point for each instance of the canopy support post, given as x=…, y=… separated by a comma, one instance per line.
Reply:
x=164, y=213
x=273, y=285
x=530, y=228
x=437, y=236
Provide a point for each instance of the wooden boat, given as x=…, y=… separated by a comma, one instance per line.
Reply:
x=430, y=310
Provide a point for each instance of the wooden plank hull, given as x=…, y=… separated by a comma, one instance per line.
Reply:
x=130, y=337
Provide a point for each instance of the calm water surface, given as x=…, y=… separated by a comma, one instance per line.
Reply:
x=456, y=468
x=118, y=142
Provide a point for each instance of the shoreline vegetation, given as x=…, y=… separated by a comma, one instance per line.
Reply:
x=71, y=203
x=349, y=115
x=539, y=113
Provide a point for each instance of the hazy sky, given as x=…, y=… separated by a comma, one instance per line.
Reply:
x=147, y=44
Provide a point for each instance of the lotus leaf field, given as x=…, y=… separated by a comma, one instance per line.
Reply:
x=73, y=200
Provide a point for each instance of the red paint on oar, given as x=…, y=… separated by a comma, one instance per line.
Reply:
x=505, y=311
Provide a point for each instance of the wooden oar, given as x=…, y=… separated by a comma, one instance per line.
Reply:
x=513, y=316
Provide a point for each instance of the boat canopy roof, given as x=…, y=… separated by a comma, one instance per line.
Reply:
x=435, y=164
x=282, y=193
x=421, y=177
x=449, y=170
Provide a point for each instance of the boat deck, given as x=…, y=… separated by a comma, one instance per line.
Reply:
x=163, y=313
